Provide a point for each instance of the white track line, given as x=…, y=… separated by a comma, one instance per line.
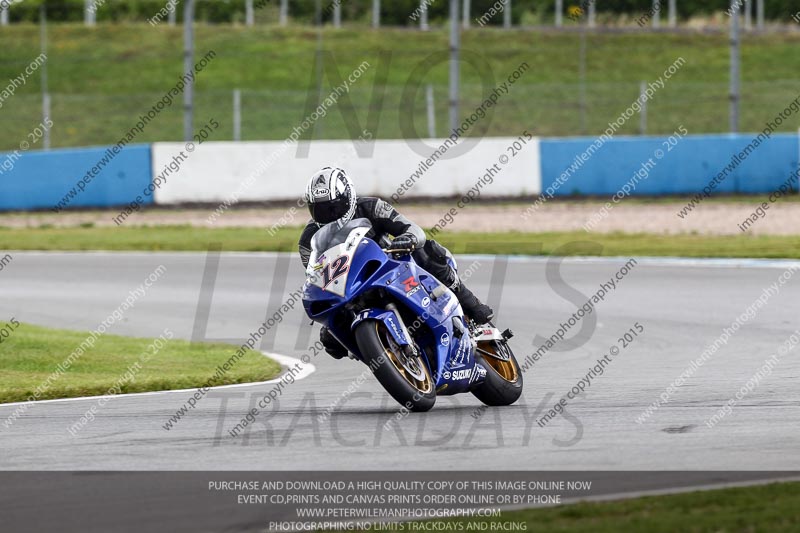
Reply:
x=697, y=262
x=705, y=262
x=306, y=369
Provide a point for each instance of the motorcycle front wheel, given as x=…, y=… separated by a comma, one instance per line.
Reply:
x=406, y=379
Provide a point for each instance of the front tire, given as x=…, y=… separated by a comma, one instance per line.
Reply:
x=408, y=382
x=503, y=383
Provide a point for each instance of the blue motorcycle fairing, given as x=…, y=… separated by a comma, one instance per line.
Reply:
x=412, y=287
x=364, y=265
x=454, y=366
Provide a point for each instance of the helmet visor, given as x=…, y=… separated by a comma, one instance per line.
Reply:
x=329, y=210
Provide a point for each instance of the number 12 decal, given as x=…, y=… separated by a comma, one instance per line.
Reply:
x=335, y=269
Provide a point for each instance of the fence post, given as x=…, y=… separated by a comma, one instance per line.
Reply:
x=760, y=15
x=466, y=14
x=672, y=14
x=172, y=15
x=337, y=14
x=4, y=15
x=455, y=45
x=507, y=15
x=250, y=17
x=748, y=15
x=592, y=14
x=89, y=14
x=656, y=13
x=582, y=77
x=284, y=13
x=643, y=112
x=45, y=117
x=237, y=115
x=559, y=13
x=423, y=15
x=431, y=111
x=43, y=72
x=376, y=13
x=734, y=68
x=188, y=65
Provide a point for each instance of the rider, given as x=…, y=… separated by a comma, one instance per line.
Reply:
x=331, y=198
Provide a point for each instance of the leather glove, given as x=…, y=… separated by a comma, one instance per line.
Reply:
x=403, y=242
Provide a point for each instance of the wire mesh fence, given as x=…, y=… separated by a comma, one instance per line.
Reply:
x=544, y=109
x=639, y=13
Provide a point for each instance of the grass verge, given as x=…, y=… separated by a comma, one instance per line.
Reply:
x=189, y=238
x=772, y=508
x=29, y=355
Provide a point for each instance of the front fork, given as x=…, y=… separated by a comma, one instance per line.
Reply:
x=391, y=318
x=410, y=349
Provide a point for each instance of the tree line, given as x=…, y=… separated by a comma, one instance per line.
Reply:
x=393, y=12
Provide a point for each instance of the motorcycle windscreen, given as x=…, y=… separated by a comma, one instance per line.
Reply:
x=332, y=250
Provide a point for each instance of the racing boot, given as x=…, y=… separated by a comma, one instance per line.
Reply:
x=478, y=311
x=332, y=346
x=433, y=258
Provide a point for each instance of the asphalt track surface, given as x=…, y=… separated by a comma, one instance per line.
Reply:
x=683, y=307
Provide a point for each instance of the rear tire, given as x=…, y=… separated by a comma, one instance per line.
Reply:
x=503, y=383
x=405, y=387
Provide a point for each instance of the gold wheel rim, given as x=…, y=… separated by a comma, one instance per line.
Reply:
x=426, y=385
x=505, y=369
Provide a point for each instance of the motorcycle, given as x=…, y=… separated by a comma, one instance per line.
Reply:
x=403, y=323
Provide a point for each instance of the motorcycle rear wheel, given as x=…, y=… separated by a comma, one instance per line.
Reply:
x=408, y=381
x=503, y=384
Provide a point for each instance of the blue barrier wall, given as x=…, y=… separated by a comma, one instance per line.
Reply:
x=40, y=180
x=685, y=169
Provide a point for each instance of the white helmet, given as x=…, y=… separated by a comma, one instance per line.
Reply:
x=331, y=196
